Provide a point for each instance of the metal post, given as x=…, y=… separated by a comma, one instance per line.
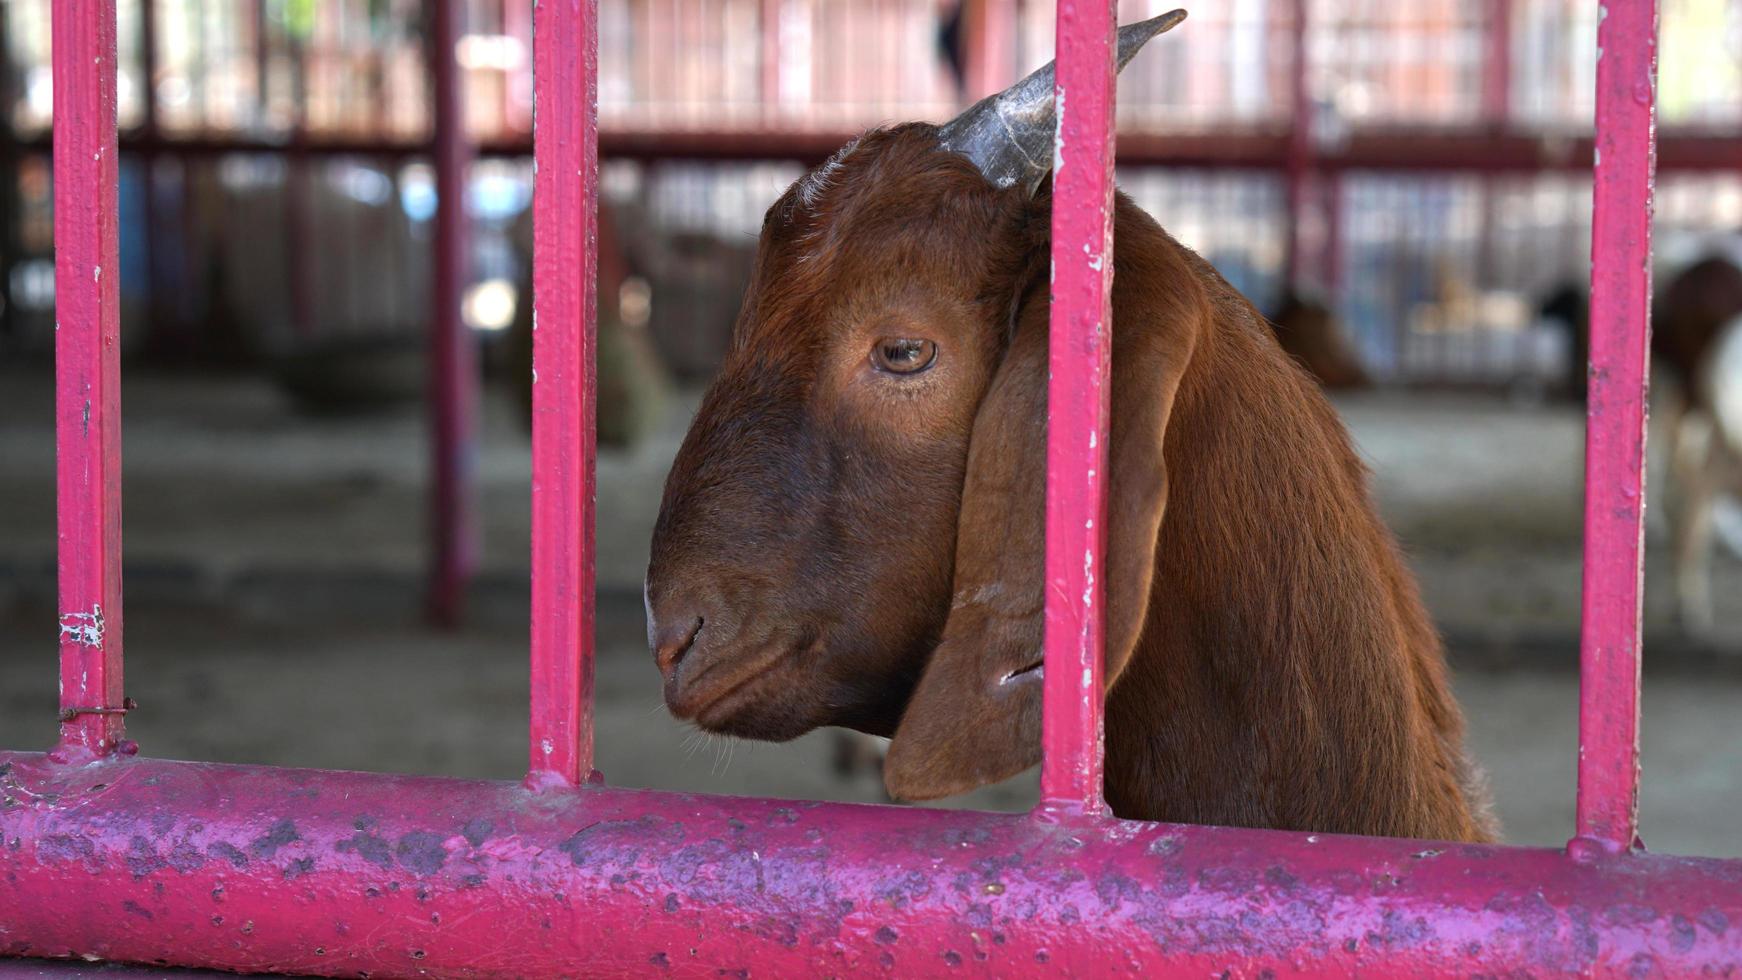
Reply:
x=453, y=369
x=1615, y=427
x=770, y=12
x=147, y=162
x=1497, y=65
x=9, y=153
x=989, y=27
x=1299, y=164
x=87, y=267
x=1077, y=393
x=565, y=281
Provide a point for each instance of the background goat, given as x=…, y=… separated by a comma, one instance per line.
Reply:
x=852, y=531
x=1309, y=332
x=1697, y=340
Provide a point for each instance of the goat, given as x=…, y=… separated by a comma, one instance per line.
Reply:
x=1309, y=332
x=1697, y=341
x=852, y=530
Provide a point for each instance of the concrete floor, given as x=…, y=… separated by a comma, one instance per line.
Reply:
x=272, y=606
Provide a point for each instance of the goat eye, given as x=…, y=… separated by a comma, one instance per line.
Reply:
x=902, y=355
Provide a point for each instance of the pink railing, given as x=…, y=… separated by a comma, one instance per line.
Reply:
x=105, y=855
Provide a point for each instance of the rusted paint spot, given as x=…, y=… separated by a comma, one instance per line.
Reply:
x=225, y=851
x=885, y=935
x=671, y=903
x=376, y=850
x=299, y=867
x=57, y=848
x=1397, y=930
x=1715, y=920
x=422, y=852
x=142, y=857
x=660, y=960
x=186, y=858
x=266, y=845
x=1626, y=913
x=477, y=831
x=952, y=958
x=1682, y=936
x=1164, y=846
x=134, y=908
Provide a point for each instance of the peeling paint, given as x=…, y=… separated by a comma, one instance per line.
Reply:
x=83, y=628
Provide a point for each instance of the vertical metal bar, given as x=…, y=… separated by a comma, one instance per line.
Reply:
x=1299, y=163
x=87, y=271
x=1615, y=425
x=770, y=13
x=9, y=203
x=1335, y=202
x=1077, y=418
x=517, y=24
x=989, y=28
x=1497, y=65
x=453, y=369
x=564, y=268
x=147, y=162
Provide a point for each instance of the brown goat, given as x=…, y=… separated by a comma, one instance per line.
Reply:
x=852, y=531
x=1310, y=334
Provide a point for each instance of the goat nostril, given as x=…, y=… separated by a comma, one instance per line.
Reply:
x=672, y=648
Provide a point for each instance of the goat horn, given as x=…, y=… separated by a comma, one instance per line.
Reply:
x=1009, y=136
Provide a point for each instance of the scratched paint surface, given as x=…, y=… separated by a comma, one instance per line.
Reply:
x=87, y=271
x=256, y=868
x=1077, y=399
x=565, y=256
x=1608, y=801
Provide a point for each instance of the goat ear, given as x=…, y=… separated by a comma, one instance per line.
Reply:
x=974, y=717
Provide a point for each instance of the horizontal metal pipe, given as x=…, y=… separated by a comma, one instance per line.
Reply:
x=255, y=868
x=1449, y=149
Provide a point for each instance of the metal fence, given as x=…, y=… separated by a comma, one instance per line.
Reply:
x=110, y=855
x=1450, y=127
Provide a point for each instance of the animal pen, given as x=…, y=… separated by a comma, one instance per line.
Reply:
x=108, y=854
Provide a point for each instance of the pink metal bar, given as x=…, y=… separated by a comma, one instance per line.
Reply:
x=1076, y=450
x=990, y=29
x=565, y=278
x=770, y=13
x=254, y=869
x=453, y=363
x=1615, y=428
x=1298, y=166
x=1497, y=64
x=87, y=272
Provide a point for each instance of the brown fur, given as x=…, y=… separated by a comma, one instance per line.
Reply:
x=841, y=546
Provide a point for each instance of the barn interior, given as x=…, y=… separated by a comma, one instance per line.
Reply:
x=327, y=518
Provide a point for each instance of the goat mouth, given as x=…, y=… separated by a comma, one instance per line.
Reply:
x=717, y=708
x=1036, y=669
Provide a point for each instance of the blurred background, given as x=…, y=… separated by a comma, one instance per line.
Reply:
x=1404, y=187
